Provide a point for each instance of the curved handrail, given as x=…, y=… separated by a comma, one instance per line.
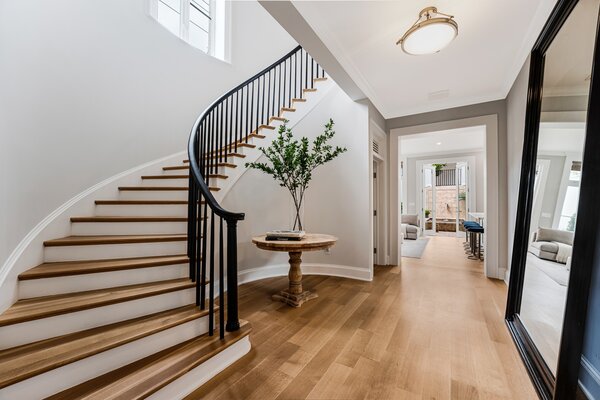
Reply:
x=218, y=132
x=195, y=168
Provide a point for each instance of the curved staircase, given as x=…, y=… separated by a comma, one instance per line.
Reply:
x=126, y=307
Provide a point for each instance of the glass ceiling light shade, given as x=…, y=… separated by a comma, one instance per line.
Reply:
x=431, y=33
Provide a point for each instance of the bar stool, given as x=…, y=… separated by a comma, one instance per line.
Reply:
x=476, y=232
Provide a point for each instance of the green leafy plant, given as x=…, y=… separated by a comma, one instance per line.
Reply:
x=462, y=196
x=571, y=223
x=427, y=212
x=292, y=162
x=438, y=168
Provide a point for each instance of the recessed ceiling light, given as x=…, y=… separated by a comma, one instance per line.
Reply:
x=439, y=143
x=431, y=33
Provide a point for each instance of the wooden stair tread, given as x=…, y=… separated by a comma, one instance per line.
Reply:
x=324, y=78
x=288, y=109
x=141, y=202
x=165, y=177
x=54, y=269
x=128, y=219
x=218, y=176
x=159, y=188
x=186, y=167
x=175, y=167
x=309, y=90
x=23, y=362
x=282, y=119
x=143, y=377
x=48, y=306
x=113, y=239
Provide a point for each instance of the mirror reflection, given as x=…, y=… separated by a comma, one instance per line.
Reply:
x=566, y=86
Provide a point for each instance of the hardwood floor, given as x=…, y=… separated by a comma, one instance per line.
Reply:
x=430, y=329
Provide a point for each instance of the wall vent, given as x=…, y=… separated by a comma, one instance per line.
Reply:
x=375, y=147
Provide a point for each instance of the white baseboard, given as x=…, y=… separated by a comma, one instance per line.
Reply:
x=270, y=271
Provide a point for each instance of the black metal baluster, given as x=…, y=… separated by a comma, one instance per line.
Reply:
x=301, y=74
x=279, y=92
x=199, y=248
x=204, y=256
x=251, y=111
x=211, y=280
x=262, y=108
x=233, y=322
x=305, y=73
x=296, y=74
x=271, y=96
x=220, y=136
x=284, y=85
x=221, y=284
x=312, y=72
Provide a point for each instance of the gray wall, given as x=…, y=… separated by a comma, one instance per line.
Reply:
x=516, y=104
x=476, y=110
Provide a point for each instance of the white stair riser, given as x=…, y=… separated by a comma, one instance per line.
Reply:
x=174, y=171
x=44, y=328
x=198, y=376
x=108, y=251
x=141, y=210
x=128, y=228
x=178, y=182
x=153, y=195
x=102, y=280
x=72, y=374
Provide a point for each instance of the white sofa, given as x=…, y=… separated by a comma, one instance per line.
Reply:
x=410, y=226
x=552, y=244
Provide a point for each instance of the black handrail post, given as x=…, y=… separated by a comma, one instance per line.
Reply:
x=233, y=322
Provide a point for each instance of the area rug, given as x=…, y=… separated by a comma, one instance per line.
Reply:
x=556, y=271
x=414, y=248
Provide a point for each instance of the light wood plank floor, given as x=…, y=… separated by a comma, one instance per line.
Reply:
x=430, y=329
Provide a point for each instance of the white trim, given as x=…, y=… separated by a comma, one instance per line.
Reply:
x=302, y=111
x=198, y=376
x=491, y=186
x=270, y=271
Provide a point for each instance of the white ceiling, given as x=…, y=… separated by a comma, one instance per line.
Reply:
x=443, y=142
x=561, y=137
x=494, y=40
x=568, y=62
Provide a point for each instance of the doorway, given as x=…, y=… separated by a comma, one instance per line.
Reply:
x=445, y=197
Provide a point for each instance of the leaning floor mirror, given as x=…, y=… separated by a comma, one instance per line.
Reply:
x=551, y=262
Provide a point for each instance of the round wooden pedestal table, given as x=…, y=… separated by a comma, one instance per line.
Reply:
x=295, y=295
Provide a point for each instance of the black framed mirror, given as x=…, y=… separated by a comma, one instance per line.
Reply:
x=554, y=252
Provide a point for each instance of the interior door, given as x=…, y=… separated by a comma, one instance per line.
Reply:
x=375, y=217
x=462, y=194
x=428, y=196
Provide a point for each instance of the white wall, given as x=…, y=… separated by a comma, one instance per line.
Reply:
x=337, y=201
x=516, y=104
x=92, y=88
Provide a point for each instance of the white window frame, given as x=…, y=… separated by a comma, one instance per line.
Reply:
x=184, y=22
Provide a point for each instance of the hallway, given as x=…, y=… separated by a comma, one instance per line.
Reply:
x=431, y=329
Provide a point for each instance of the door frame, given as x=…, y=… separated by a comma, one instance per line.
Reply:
x=381, y=236
x=492, y=204
x=471, y=162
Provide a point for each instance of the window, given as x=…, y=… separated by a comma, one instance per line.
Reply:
x=568, y=214
x=198, y=22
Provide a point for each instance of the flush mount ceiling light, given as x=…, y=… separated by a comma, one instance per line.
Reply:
x=431, y=33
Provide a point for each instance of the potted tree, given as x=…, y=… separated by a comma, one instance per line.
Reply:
x=292, y=162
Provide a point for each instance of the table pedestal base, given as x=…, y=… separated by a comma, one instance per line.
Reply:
x=294, y=300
